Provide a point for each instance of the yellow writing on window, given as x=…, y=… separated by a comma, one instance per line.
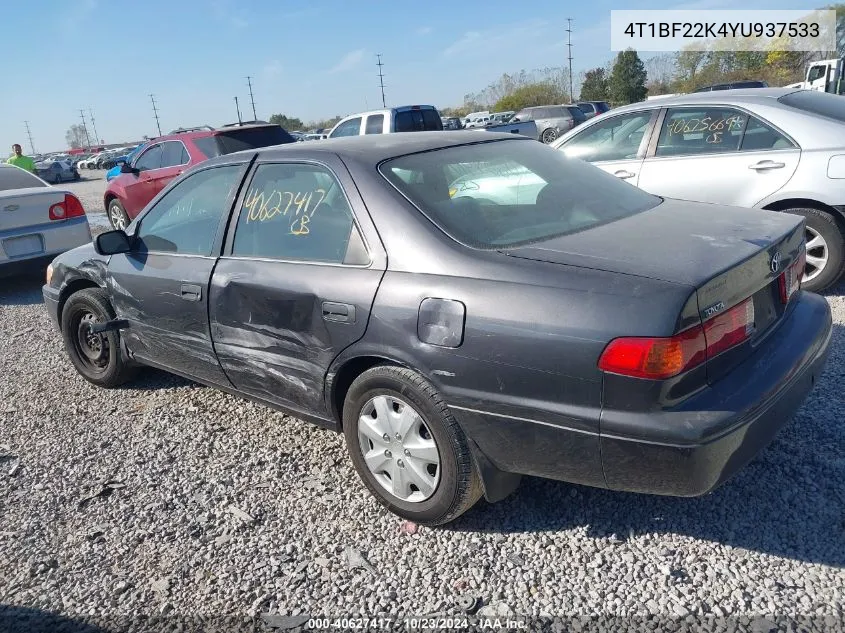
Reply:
x=707, y=124
x=299, y=206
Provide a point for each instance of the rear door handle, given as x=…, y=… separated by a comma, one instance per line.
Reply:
x=340, y=312
x=624, y=174
x=766, y=164
x=191, y=292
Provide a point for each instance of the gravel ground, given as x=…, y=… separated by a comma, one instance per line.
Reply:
x=165, y=497
x=90, y=190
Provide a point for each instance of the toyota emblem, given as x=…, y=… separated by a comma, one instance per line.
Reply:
x=775, y=263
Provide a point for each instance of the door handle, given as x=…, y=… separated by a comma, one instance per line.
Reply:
x=191, y=292
x=766, y=164
x=624, y=174
x=340, y=312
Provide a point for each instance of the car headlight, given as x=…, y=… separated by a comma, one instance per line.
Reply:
x=49, y=273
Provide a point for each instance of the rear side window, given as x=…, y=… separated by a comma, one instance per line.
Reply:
x=16, y=178
x=421, y=120
x=689, y=131
x=822, y=103
x=295, y=212
x=375, y=124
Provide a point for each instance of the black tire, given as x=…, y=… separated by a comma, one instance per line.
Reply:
x=549, y=135
x=459, y=486
x=827, y=226
x=116, y=212
x=104, y=364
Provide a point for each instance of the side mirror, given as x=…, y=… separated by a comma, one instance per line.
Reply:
x=126, y=168
x=112, y=243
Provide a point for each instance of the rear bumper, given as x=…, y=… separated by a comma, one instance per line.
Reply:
x=718, y=431
x=42, y=242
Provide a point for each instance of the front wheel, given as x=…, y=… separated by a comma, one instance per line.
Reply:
x=97, y=357
x=407, y=447
x=117, y=216
x=825, y=249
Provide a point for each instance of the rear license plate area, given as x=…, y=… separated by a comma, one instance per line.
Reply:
x=23, y=246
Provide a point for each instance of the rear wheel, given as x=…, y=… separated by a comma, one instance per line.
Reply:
x=97, y=357
x=549, y=135
x=407, y=447
x=825, y=249
x=117, y=216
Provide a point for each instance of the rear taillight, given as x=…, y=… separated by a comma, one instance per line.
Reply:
x=790, y=280
x=70, y=207
x=659, y=358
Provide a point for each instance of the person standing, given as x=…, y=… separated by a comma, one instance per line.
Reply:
x=19, y=160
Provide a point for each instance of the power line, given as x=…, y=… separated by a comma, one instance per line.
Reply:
x=85, y=127
x=381, y=80
x=238, y=109
x=569, y=44
x=251, y=98
x=94, y=125
x=29, y=134
x=155, y=113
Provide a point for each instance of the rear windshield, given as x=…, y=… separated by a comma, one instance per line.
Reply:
x=602, y=106
x=424, y=120
x=575, y=111
x=815, y=102
x=16, y=178
x=506, y=193
x=238, y=139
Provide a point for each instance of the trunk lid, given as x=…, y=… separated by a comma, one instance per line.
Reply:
x=725, y=254
x=27, y=207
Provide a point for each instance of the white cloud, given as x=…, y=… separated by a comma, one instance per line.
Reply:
x=502, y=37
x=349, y=61
x=424, y=30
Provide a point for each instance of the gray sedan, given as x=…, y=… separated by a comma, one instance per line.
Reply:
x=460, y=341
x=766, y=148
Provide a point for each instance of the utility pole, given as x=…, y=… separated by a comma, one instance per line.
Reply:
x=94, y=125
x=238, y=109
x=569, y=44
x=29, y=134
x=155, y=113
x=251, y=98
x=381, y=80
x=85, y=127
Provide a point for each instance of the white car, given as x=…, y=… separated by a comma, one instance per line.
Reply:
x=88, y=163
x=37, y=221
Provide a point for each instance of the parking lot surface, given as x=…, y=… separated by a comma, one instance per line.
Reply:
x=166, y=497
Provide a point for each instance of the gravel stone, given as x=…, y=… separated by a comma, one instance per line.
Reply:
x=767, y=543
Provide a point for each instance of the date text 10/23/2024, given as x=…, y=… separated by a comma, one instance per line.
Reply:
x=423, y=623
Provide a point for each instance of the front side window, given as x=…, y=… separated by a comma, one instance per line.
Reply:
x=524, y=115
x=375, y=124
x=352, y=127
x=690, y=131
x=506, y=193
x=150, y=159
x=296, y=212
x=616, y=138
x=186, y=220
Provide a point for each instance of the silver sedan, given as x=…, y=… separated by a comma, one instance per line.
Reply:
x=766, y=148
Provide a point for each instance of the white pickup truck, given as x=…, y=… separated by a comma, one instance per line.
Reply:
x=415, y=118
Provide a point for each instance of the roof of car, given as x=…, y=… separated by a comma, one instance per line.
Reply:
x=376, y=148
x=758, y=95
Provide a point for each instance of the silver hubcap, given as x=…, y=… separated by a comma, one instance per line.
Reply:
x=117, y=218
x=398, y=449
x=817, y=254
x=549, y=136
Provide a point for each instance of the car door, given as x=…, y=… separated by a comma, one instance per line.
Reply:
x=296, y=282
x=174, y=161
x=161, y=286
x=140, y=187
x=718, y=154
x=616, y=144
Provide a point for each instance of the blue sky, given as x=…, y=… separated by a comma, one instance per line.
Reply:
x=308, y=59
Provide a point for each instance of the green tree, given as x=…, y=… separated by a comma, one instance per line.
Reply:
x=289, y=123
x=76, y=137
x=594, y=86
x=627, y=81
x=542, y=93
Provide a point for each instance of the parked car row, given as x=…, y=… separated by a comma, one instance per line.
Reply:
x=56, y=171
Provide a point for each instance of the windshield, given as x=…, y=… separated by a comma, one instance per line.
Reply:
x=17, y=178
x=815, y=102
x=512, y=192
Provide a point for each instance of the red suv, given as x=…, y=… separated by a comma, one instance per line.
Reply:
x=168, y=156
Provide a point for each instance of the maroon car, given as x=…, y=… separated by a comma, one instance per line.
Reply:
x=169, y=156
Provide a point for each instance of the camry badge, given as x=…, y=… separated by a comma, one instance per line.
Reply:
x=775, y=263
x=716, y=308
